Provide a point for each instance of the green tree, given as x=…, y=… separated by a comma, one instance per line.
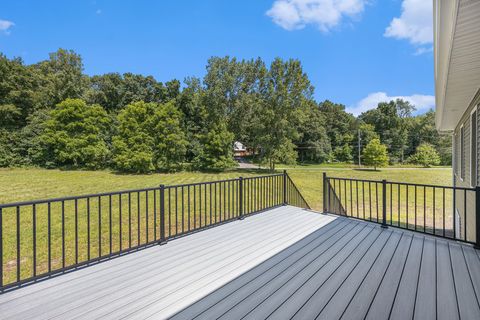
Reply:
x=287, y=90
x=313, y=144
x=340, y=128
x=423, y=131
x=426, y=155
x=149, y=138
x=215, y=149
x=75, y=135
x=170, y=144
x=343, y=153
x=375, y=154
x=62, y=77
x=390, y=120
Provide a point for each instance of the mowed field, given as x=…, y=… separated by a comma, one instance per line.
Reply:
x=32, y=184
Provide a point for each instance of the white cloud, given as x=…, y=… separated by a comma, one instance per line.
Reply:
x=415, y=24
x=5, y=26
x=420, y=101
x=325, y=14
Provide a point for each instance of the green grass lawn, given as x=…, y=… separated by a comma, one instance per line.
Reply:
x=30, y=184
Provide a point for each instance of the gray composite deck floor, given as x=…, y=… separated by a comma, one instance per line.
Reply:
x=281, y=264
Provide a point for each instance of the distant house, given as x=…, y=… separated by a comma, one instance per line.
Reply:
x=239, y=149
x=457, y=94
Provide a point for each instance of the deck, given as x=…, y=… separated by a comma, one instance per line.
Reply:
x=280, y=264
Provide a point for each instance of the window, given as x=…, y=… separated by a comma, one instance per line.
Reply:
x=473, y=148
x=462, y=153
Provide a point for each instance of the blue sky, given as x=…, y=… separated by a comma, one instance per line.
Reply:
x=355, y=52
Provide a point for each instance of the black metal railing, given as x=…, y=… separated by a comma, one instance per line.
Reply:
x=46, y=237
x=445, y=211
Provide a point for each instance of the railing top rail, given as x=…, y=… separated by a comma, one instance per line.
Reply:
x=264, y=176
x=103, y=194
x=69, y=198
x=405, y=183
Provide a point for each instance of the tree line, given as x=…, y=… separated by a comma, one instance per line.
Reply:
x=54, y=115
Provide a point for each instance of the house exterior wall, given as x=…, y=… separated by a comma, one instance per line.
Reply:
x=465, y=160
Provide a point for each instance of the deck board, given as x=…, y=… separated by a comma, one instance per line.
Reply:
x=280, y=264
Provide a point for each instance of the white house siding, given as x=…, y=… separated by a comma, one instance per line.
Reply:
x=466, y=182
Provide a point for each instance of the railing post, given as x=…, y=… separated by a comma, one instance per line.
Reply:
x=477, y=217
x=384, y=203
x=324, y=192
x=163, y=239
x=284, y=187
x=240, y=197
x=1, y=248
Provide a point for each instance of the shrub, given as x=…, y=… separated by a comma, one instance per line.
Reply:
x=375, y=154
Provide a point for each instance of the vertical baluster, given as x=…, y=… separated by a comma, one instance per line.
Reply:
x=176, y=210
x=351, y=199
x=424, y=209
x=120, y=239
x=155, y=215
x=200, y=203
x=215, y=211
x=1, y=247
x=370, y=198
x=415, y=189
x=162, y=215
x=18, y=243
x=88, y=228
x=49, y=217
x=406, y=203
x=34, y=221
x=169, y=212
x=465, y=213
x=376, y=199
x=194, y=207
x=129, y=220
x=443, y=208
x=356, y=192
x=434, y=227
x=453, y=213
x=63, y=234
x=225, y=200
x=240, y=197
x=99, y=227
x=391, y=204
x=399, y=199
x=183, y=210
x=205, y=199
x=76, y=231
x=210, y=203
x=146, y=216
x=188, y=199
x=138, y=218
x=363, y=199
x=110, y=222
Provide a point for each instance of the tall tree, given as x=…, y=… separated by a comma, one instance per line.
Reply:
x=340, y=127
x=75, y=135
x=287, y=89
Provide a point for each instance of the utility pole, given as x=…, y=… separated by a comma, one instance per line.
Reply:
x=359, y=149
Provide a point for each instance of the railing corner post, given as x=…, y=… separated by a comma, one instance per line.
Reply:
x=285, y=187
x=477, y=217
x=324, y=174
x=240, y=196
x=163, y=239
x=384, y=203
